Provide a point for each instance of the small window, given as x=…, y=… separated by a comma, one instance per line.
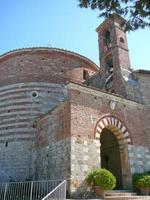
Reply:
x=34, y=94
x=6, y=144
x=121, y=40
x=85, y=74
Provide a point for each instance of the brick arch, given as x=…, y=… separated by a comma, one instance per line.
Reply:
x=116, y=126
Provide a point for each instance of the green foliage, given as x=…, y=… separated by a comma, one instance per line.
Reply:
x=136, y=12
x=91, y=178
x=101, y=177
x=141, y=180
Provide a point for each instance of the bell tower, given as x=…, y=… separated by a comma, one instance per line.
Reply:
x=114, y=55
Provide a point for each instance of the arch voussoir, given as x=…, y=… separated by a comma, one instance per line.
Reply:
x=116, y=126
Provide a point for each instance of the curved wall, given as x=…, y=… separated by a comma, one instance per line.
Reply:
x=32, y=82
x=20, y=105
x=44, y=65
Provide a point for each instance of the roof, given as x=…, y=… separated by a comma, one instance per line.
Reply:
x=113, y=17
x=10, y=53
x=142, y=71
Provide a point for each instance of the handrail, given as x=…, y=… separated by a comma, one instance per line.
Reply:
x=31, y=190
x=59, y=194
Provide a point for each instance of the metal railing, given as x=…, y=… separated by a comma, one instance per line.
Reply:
x=32, y=190
x=59, y=193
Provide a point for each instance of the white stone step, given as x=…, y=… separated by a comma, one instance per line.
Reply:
x=124, y=195
x=127, y=198
x=120, y=193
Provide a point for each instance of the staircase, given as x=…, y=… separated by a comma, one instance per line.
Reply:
x=124, y=195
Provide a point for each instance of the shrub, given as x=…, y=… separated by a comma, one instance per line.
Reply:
x=101, y=177
x=141, y=180
x=135, y=178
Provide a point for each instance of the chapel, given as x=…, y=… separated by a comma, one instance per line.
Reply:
x=61, y=115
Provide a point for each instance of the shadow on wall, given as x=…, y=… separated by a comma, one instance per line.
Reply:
x=4, y=177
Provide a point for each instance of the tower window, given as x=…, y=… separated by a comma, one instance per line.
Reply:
x=85, y=74
x=107, y=40
x=109, y=73
x=109, y=65
x=121, y=40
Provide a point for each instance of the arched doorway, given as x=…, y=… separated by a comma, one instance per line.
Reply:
x=110, y=132
x=110, y=155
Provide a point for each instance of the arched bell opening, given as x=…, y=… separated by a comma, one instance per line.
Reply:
x=109, y=72
x=107, y=40
x=114, y=138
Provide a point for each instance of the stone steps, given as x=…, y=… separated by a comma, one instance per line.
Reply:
x=119, y=195
x=124, y=195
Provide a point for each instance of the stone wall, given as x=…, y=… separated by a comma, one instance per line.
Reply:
x=143, y=79
x=139, y=158
x=146, y=124
x=124, y=84
x=16, y=160
x=20, y=105
x=85, y=156
x=53, y=145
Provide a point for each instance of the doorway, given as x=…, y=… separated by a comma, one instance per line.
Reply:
x=110, y=155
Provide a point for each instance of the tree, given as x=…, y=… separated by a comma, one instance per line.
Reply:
x=135, y=12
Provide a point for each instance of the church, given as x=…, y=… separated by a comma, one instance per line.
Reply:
x=61, y=115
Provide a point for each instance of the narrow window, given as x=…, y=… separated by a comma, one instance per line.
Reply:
x=108, y=39
x=121, y=40
x=109, y=73
x=85, y=74
x=6, y=144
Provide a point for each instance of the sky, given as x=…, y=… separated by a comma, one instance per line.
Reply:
x=62, y=24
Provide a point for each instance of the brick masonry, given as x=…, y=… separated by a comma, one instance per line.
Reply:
x=43, y=65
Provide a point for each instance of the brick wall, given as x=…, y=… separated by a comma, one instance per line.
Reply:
x=88, y=106
x=43, y=65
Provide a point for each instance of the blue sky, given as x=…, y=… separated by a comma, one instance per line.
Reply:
x=62, y=24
